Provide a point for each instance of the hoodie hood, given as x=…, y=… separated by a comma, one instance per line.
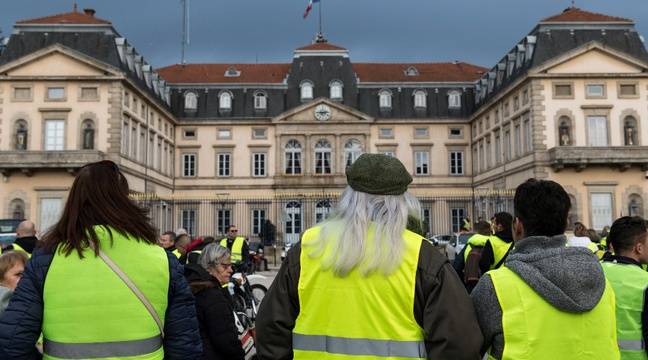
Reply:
x=569, y=278
x=198, y=278
x=5, y=296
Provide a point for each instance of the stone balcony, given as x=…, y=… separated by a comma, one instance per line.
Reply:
x=28, y=162
x=620, y=157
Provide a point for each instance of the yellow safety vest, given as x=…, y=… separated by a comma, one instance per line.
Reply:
x=629, y=283
x=177, y=253
x=90, y=313
x=357, y=317
x=535, y=329
x=237, y=248
x=17, y=247
x=500, y=247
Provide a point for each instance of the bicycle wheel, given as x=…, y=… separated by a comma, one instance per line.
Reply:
x=258, y=291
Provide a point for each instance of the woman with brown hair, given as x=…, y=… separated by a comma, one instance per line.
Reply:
x=100, y=286
x=12, y=266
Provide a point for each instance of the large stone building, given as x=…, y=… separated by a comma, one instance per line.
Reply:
x=223, y=143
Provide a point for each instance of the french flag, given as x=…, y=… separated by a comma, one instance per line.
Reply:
x=309, y=7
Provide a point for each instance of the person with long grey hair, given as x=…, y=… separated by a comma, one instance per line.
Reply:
x=214, y=307
x=361, y=284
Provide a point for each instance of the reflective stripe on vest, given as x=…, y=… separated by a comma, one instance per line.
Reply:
x=237, y=248
x=89, y=310
x=629, y=282
x=102, y=350
x=357, y=317
x=535, y=329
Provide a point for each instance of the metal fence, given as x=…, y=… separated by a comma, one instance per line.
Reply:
x=281, y=219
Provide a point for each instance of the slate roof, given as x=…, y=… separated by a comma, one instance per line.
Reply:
x=74, y=17
x=574, y=14
x=215, y=73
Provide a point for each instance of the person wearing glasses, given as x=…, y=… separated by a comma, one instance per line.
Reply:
x=208, y=281
x=238, y=247
x=629, y=238
x=100, y=286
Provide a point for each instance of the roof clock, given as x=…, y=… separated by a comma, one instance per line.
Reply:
x=322, y=112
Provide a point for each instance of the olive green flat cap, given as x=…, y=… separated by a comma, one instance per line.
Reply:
x=378, y=174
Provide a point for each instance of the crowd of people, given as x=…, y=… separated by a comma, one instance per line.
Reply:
x=102, y=284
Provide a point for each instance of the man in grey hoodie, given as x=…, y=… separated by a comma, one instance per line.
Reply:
x=548, y=301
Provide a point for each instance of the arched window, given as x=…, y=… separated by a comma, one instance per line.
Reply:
x=190, y=101
x=336, y=90
x=293, y=157
x=385, y=99
x=635, y=205
x=565, y=131
x=293, y=224
x=322, y=209
x=352, y=151
x=225, y=100
x=20, y=135
x=87, y=135
x=630, y=131
x=306, y=90
x=454, y=99
x=17, y=209
x=260, y=101
x=322, y=157
x=420, y=99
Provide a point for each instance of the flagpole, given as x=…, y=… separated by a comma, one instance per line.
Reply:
x=320, y=17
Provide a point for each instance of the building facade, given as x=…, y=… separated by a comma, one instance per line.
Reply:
x=207, y=145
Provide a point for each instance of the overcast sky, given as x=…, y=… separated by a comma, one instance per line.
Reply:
x=247, y=31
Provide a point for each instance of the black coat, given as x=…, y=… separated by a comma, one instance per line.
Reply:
x=215, y=316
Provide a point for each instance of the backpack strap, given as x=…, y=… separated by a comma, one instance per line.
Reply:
x=504, y=257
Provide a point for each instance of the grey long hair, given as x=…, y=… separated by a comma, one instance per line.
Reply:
x=344, y=234
x=212, y=255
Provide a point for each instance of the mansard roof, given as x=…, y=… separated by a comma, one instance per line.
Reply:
x=576, y=15
x=216, y=73
x=320, y=46
x=427, y=72
x=78, y=18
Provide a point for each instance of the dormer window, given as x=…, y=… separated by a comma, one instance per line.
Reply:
x=385, y=99
x=232, y=72
x=454, y=99
x=420, y=99
x=225, y=100
x=306, y=90
x=336, y=90
x=260, y=101
x=411, y=71
x=190, y=101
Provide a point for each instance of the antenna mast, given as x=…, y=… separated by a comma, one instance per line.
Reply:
x=185, y=29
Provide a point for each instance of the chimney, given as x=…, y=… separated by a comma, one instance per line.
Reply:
x=90, y=12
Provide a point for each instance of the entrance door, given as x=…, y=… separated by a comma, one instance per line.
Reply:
x=601, y=210
x=293, y=222
x=50, y=212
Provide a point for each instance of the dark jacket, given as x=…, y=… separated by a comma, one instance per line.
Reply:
x=215, y=316
x=20, y=325
x=441, y=307
x=28, y=243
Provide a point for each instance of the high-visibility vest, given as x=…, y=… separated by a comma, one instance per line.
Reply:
x=89, y=312
x=629, y=283
x=17, y=247
x=177, y=253
x=535, y=329
x=237, y=248
x=357, y=317
x=500, y=247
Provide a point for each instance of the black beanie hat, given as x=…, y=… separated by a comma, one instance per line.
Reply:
x=378, y=174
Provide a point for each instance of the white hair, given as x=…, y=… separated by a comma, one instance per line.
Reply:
x=344, y=238
x=212, y=255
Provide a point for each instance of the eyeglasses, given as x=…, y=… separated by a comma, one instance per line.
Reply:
x=233, y=231
x=228, y=265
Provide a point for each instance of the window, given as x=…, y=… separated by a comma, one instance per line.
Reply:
x=126, y=99
x=89, y=93
x=21, y=135
x=488, y=152
x=133, y=148
x=17, y=209
x=142, y=145
x=224, y=134
x=528, y=142
x=389, y=153
x=635, y=205
x=421, y=133
x=601, y=207
x=306, y=90
x=322, y=157
x=54, y=134
x=259, y=133
x=322, y=209
x=498, y=149
x=188, y=221
x=386, y=133
x=385, y=99
x=232, y=72
x=50, y=212
x=563, y=90
x=293, y=223
x=55, y=93
x=188, y=165
x=223, y=221
x=507, y=145
x=22, y=94
x=224, y=162
x=258, y=164
x=420, y=99
x=518, y=139
x=454, y=99
x=260, y=101
x=457, y=216
x=411, y=71
x=482, y=157
x=150, y=158
x=293, y=157
x=422, y=162
x=426, y=217
x=87, y=135
x=595, y=90
x=516, y=103
x=352, y=151
x=456, y=133
x=630, y=131
x=189, y=133
x=456, y=162
x=125, y=137
x=336, y=90
x=525, y=96
x=225, y=100
x=158, y=158
x=627, y=90
x=597, y=131
x=190, y=101
x=258, y=219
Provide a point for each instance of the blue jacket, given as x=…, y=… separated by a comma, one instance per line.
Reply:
x=20, y=325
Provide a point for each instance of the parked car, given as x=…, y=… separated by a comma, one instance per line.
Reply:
x=443, y=240
x=457, y=244
x=8, y=231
